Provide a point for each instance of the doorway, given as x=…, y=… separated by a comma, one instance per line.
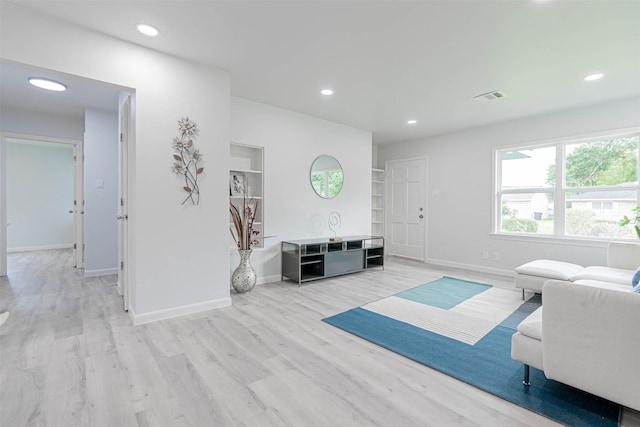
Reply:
x=27, y=111
x=42, y=191
x=406, y=210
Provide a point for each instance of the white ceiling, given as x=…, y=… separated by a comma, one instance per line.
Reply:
x=391, y=61
x=15, y=91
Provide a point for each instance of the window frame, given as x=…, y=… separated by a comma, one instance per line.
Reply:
x=559, y=190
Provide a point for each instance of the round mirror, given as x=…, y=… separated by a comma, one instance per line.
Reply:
x=326, y=176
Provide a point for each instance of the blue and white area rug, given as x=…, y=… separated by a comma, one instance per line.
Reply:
x=464, y=329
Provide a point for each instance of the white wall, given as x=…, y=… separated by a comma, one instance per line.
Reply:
x=181, y=253
x=460, y=169
x=100, y=192
x=292, y=210
x=41, y=124
x=39, y=195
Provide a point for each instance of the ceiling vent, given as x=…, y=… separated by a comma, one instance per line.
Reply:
x=489, y=96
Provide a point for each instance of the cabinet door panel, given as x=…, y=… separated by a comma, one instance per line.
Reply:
x=343, y=262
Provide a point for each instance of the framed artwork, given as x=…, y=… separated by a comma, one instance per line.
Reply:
x=236, y=184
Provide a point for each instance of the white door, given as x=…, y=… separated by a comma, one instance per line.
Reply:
x=3, y=207
x=123, y=211
x=78, y=206
x=405, y=208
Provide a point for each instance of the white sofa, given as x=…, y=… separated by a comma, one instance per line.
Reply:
x=586, y=335
x=622, y=260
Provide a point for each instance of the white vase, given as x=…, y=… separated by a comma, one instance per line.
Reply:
x=244, y=277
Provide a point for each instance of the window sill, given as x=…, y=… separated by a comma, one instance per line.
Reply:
x=555, y=240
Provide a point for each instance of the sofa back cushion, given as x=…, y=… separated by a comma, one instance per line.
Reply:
x=605, y=274
x=623, y=255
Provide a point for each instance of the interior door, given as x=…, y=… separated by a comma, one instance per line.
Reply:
x=78, y=207
x=3, y=207
x=123, y=211
x=405, y=208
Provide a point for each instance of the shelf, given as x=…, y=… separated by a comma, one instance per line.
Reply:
x=247, y=161
x=377, y=201
x=245, y=171
x=313, y=259
x=310, y=277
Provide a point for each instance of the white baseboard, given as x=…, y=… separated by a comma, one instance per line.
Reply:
x=265, y=279
x=170, y=313
x=269, y=279
x=100, y=272
x=472, y=267
x=40, y=248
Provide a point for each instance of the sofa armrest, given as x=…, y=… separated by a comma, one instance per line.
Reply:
x=591, y=340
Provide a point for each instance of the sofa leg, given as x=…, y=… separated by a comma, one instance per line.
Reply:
x=522, y=294
x=525, y=381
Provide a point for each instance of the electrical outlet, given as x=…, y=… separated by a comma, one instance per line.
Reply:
x=485, y=255
x=496, y=256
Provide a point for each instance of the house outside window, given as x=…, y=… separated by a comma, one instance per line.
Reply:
x=574, y=188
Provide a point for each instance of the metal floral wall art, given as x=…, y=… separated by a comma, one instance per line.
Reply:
x=186, y=159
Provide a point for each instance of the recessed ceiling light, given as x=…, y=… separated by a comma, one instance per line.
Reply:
x=592, y=77
x=412, y=122
x=147, y=30
x=326, y=92
x=47, y=84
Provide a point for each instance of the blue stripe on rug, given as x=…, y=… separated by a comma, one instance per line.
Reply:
x=527, y=307
x=444, y=293
x=486, y=365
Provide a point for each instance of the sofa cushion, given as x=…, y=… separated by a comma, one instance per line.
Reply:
x=549, y=269
x=531, y=326
x=606, y=274
x=635, y=282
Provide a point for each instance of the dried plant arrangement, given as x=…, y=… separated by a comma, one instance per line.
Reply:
x=186, y=159
x=243, y=216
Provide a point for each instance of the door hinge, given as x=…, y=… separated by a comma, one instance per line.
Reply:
x=121, y=201
x=120, y=137
x=75, y=246
x=75, y=203
x=121, y=265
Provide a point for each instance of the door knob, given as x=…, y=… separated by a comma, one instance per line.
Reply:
x=123, y=217
x=420, y=216
x=70, y=211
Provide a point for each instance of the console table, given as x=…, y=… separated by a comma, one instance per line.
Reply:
x=313, y=259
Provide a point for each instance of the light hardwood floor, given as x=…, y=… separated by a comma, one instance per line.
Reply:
x=69, y=356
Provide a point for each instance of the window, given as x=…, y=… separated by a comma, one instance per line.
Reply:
x=570, y=188
x=327, y=183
